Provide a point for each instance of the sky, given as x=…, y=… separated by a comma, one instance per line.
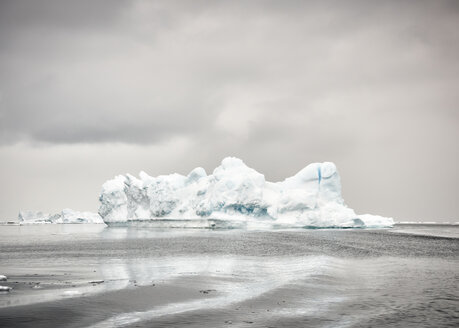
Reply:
x=92, y=89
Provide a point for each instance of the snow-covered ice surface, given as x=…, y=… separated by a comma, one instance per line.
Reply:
x=65, y=216
x=233, y=196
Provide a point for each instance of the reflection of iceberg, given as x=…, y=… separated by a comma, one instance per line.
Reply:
x=66, y=216
x=233, y=196
x=232, y=280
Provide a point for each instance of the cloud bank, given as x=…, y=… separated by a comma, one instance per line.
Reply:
x=91, y=89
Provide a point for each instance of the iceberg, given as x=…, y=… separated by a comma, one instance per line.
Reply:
x=234, y=195
x=65, y=216
x=34, y=217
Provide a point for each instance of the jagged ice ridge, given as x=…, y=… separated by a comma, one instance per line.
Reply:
x=234, y=195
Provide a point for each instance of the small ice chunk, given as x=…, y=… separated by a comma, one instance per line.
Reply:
x=3, y=278
x=376, y=221
x=5, y=288
x=72, y=293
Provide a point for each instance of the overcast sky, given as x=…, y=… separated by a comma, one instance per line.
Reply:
x=91, y=89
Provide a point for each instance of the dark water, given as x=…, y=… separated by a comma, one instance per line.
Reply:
x=109, y=277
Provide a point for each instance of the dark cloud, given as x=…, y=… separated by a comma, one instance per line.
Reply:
x=370, y=85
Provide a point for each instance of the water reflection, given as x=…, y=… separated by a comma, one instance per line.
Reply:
x=228, y=280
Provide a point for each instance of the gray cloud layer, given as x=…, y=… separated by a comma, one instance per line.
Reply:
x=370, y=85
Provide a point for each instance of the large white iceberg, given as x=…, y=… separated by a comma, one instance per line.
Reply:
x=234, y=195
x=65, y=216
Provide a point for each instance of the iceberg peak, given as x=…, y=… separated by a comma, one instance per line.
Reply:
x=229, y=162
x=196, y=174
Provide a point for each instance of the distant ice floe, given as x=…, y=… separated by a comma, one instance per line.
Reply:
x=234, y=195
x=65, y=216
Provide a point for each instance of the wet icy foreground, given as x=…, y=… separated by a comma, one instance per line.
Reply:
x=94, y=276
x=235, y=196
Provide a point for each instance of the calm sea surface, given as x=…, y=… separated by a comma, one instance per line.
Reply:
x=94, y=276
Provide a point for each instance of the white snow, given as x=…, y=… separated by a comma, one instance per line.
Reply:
x=65, y=216
x=237, y=195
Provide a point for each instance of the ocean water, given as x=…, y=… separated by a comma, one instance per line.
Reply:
x=95, y=276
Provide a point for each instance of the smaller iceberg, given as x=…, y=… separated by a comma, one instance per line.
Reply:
x=65, y=216
x=34, y=217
